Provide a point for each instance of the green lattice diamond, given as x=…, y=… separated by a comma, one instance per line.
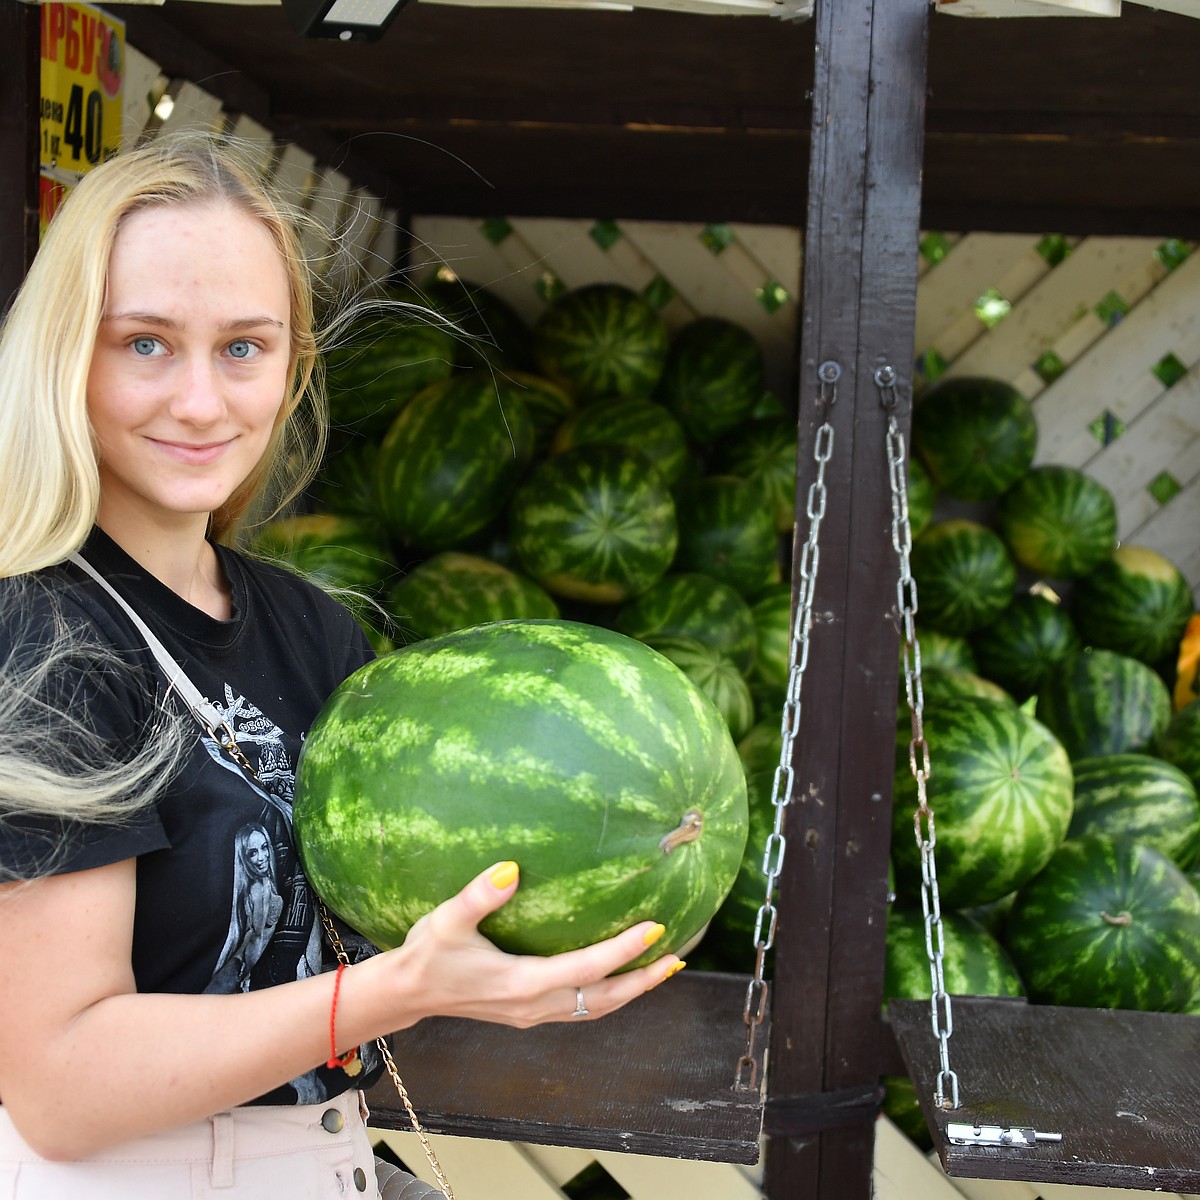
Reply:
x=991, y=308
x=772, y=295
x=496, y=229
x=549, y=286
x=1164, y=486
x=1169, y=370
x=1106, y=428
x=1053, y=248
x=931, y=365
x=717, y=237
x=934, y=247
x=605, y=233
x=1172, y=252
x=659, y=292
x=1049, y=367
x=1111, y=309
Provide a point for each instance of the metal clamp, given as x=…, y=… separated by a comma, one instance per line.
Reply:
x=996, y=1135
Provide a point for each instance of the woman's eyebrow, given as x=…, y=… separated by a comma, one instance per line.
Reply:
x=163, y=322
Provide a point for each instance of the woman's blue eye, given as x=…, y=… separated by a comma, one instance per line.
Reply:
x=145, y=345
x=241, y=349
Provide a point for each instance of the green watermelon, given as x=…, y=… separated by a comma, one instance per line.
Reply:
x=696, y=605
x=1100, y=702
x=489, y=329
x=922, y=493
x=1137, y=796
x=1109, y=923
x=764, y=452
x=761, y=747
x=1021, y=644
x=714, y=674
x=334, y=551
x=1000, y=787
x=547, y=404
x=1058, y=522
x=1179, y=742
x=346, y=482
x=1137, y=603
x=772, y=612
x=451, y=460
x=977, y=436
x=949, y=650
x=385, y=363
x=594, y=524
x=944, y=683
x=636, y=424
x=601, y=340
x=726, y=531
x=583, y=755
x=452, y=590
x=965, y=576
x=712, y=378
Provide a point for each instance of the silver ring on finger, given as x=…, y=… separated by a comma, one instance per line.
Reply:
x=580, y=1007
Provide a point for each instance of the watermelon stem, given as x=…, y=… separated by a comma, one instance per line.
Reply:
x=1122, y=918
x=688, y=830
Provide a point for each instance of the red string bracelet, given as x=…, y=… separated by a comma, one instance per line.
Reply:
x=348, y=1061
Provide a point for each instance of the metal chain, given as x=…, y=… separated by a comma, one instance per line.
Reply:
x=227, y=740
x=782, y=790
x=918, y=750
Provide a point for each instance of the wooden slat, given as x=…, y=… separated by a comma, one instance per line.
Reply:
x=992, y=1189
x=641, y=1175
x=1030, y=8
x=902, y=1172
x=1173, y=531
x=141, y=87
x=194, y=108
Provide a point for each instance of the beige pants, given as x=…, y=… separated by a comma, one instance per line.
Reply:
x=306, y=1152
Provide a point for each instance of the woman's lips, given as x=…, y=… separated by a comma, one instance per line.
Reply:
x=195, y=455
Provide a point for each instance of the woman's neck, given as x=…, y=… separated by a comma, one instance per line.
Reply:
x=181, y=558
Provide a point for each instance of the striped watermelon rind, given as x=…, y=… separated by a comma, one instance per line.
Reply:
x=565, y=747
x=772, y=612
x=453, y=590
x=965, y=575
x=450, y=461
x=633, y=423
x=715, y=675
x=547, y=404
x=1179, y=742
x=764, y=452
x=1108, y=923
x=332, y=550
x=1137, y=603
x=1101, y=702
x=976, y=435
x=1058, y=522
x=1000, y=787
x=1024, y=641
x=1137, y=796
x=594, y=524
x=601, y=340
x=951, y=651
x=695, y=605
x=488, y=328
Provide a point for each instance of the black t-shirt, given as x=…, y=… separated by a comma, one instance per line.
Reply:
x=222, y=903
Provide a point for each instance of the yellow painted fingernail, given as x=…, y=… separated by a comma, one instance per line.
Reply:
x=653, y=934
x=504, y=874
x=674, y=969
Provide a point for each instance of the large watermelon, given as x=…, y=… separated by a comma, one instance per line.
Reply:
x=1109, y=923
x=764, y=452
x=594, y=524
x=976, y=435
x=453, y=590
x=712, y=378
x=636, y=424
x=586, y=757
x=1021, y=644
x=1179, y=742
x=714, y=674
x=547, y=404
x=965, y=577
x=1000, y=788
x=1058, y=522
x=772, y=612
x=1137, y=796
x=761, y=748
x=945, y=683
x=346, y=482
x=1100, y=702
x=696, y=605
x=601, y=340
x=451, y=459
x=1137, y=603
x=922, y=495
x=726, y=531
x=334, y=551
x=488, y=328
x=387, y=361
x=951, y=651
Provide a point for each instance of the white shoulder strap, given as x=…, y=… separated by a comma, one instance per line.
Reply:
x=205, y=712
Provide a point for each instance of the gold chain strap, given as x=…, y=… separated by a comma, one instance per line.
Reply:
x=228, y=743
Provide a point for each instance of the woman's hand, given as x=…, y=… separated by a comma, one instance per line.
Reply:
x=455, y=971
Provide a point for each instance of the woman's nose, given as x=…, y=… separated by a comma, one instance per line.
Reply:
x=199, y=397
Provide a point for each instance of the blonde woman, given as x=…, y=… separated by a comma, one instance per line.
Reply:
x=156, y=370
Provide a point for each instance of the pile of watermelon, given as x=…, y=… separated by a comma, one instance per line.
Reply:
x=1061, y=708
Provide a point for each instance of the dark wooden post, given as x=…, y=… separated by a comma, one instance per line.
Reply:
x=20, y=88
x=858, y=310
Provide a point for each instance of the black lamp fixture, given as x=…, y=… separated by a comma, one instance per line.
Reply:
x=345, y=20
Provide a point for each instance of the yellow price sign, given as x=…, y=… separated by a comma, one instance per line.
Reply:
x=83, y=68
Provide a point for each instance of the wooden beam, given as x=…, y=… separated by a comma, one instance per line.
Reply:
x=20, y=90
x=859, y=306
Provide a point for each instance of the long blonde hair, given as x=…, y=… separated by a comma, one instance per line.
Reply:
x=49, y=478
